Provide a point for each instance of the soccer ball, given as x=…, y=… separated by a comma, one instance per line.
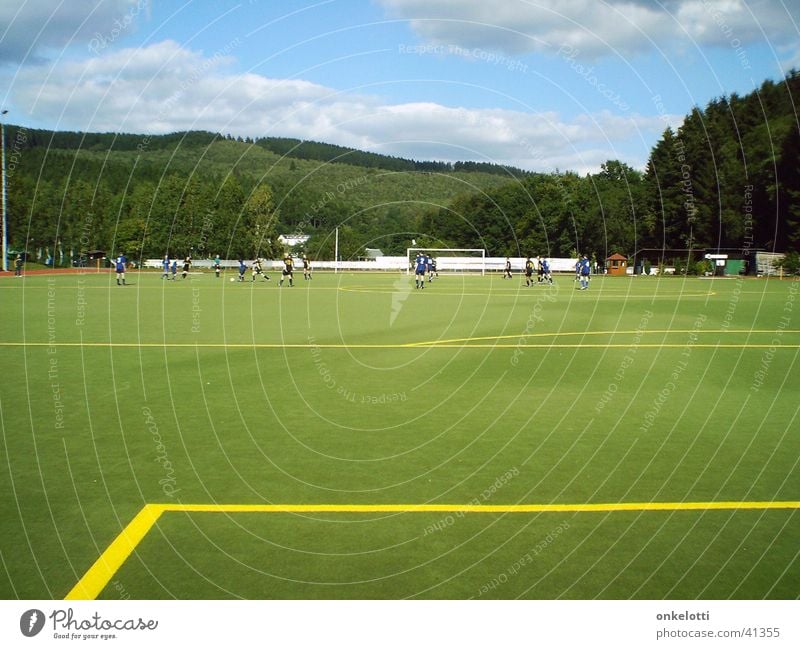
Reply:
x=233, y=279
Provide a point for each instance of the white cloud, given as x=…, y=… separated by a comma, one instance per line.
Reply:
x=33, y=26
x=164, y=88
x=597, y=28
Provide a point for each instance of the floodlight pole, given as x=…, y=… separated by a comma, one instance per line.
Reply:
x=5, y=219
x=336, y=253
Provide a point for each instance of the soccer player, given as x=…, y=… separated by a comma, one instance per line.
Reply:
x=545, y=268
x=257, y=270
x=174, y=269
x=586, y=269
x=165, y=264
x=539, y=271
x=421, y=266
x=18, y=266
x=529, y=272
x=288, y=270
x=120, y=268
x=216, y=265
x=242, y=269
x=187, y=262
x=434, y=272
x=507, y=272
x=431, y=269
x=306, y=268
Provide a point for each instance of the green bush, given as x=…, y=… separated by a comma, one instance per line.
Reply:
x=790, y=263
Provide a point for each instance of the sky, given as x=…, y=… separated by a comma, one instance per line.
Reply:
x=542, y=85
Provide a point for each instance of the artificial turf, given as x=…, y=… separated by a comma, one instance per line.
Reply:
x=360, y=389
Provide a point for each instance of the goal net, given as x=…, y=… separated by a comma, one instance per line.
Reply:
x=450, y=260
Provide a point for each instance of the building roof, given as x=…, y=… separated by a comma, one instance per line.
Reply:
x=617, y=256
x=293, y=239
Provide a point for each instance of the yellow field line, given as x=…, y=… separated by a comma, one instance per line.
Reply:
x=421, y=345
x=497, y=509
x=98, y=576
x=605, y=333
x=467, y=345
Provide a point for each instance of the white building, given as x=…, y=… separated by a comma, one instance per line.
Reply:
x=292, y=240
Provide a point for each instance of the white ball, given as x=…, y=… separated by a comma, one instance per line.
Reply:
x=233, y=279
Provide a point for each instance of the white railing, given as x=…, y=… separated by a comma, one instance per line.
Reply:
x=399, y=263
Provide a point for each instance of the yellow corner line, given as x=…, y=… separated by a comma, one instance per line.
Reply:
x=98, y=576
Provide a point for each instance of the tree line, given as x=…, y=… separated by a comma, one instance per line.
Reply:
x=727, y=178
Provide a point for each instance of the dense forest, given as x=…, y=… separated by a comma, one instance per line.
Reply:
x=728, y=178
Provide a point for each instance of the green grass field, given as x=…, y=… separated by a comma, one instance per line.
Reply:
x=356, y=389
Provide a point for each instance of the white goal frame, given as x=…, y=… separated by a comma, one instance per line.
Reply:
x=431, y=252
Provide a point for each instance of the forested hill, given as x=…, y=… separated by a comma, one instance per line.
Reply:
x=214, y=194
x=285, y=147
x=729, y=177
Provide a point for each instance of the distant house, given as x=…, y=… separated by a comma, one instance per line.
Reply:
x=617, y=264
x=292, y=240
x=372, y=253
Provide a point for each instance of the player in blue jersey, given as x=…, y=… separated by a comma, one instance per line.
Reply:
x=545, y=266
x=120, y=263
x=242, y=269
x=165, y=264
x=585, y=270
x=420, y=268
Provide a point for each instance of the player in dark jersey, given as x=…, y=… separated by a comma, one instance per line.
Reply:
x=507, y=271
x=257, y=270
x=529, y=272
x=174, y=269
x=217, y=265
x=306, y=268
x=242, y=269
x=187, y=262
x=420, y=268
x=432, y=269
x=288, y=270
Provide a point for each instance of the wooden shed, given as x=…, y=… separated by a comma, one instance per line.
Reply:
x=617, y=264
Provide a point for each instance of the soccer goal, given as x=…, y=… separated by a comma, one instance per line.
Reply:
x=451, y=260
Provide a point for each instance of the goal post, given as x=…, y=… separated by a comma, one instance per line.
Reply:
x=451, y=259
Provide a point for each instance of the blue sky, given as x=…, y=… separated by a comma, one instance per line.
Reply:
x=539, y=84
